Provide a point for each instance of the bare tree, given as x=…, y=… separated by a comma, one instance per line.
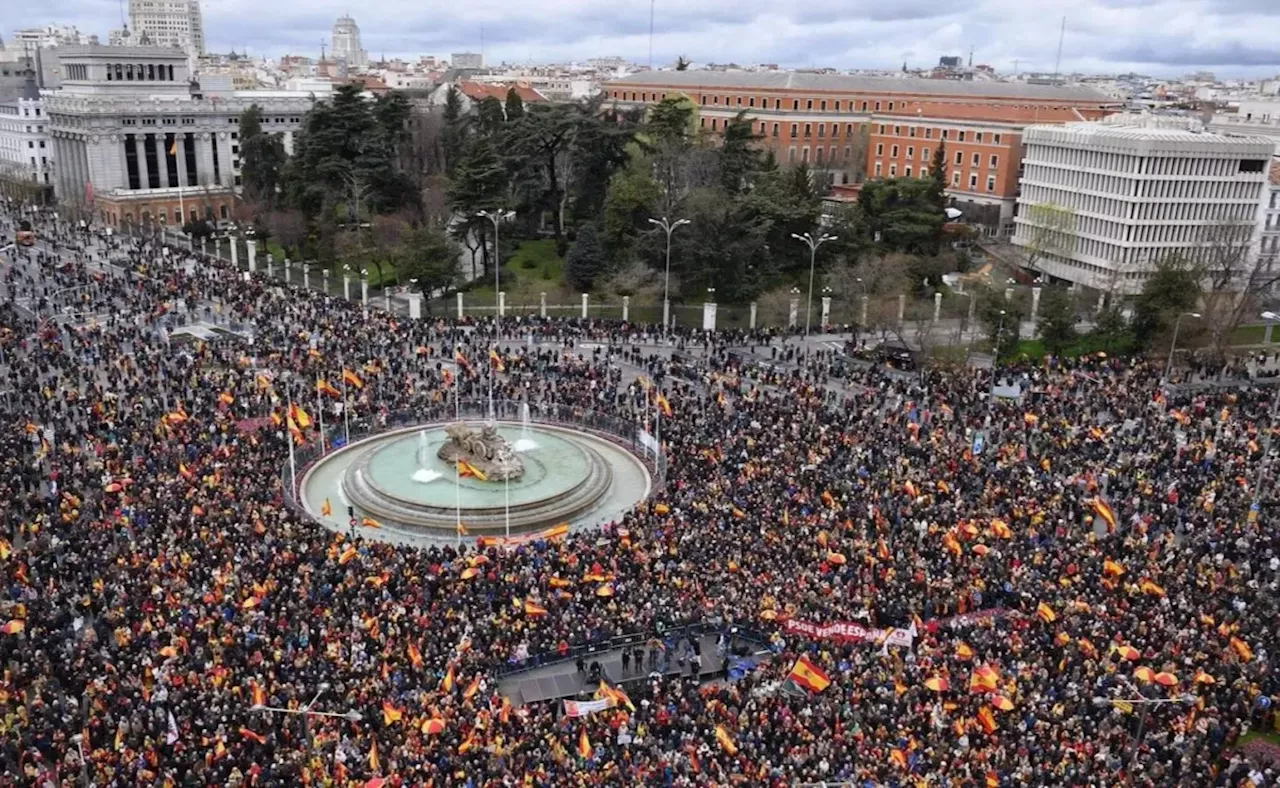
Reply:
x=1234, y=279
x=435, y=200
x=289, y=227
x=1052, y=230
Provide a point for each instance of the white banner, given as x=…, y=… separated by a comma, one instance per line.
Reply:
x=575, y=708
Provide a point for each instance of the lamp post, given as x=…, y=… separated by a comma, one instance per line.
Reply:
x=84, y=765
x=813, y=244
x=995, y=361
x=307, y=712
x=1256, y=505
x=1177, y=324
x=668, y=227
x=1146, y=704
x=495, y=217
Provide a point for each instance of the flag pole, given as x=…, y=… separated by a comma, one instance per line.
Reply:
x=506, y=483
x=457, y=481
x=293, y=468
x=489, y=361
x=320, y=414
x=346, y=418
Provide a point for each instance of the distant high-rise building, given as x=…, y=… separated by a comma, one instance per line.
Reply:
x=168, y=23
x=346, y=43
x=467, y=60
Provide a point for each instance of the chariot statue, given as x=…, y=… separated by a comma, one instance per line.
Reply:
x=483, y=449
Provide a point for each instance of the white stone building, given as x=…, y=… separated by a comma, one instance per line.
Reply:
x=1269, y=221
x=26, y=152
x=346, y=43
x=1102, y=203
x=137, y=141
x=168, y=23
x=459, y=60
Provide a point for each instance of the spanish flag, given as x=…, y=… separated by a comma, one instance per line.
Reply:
x=1240, y=647
x=1104, y=510
x=374, y=764
x=808, y=675
x=533, y=610
x=467, y=743
x=348, y=553
x=461, y=360
x=326, y=508
x=1045, y=613
x=352, y=379
x=1148, y=587
x=446, y=683
x=390, y=714
x=447, y=376
x=663, y=405
x=248, y=734
x=984, y=679
x=225, y=398
x=466, y=469
x=258, y=695
x=325, y=387
x=369, y=522
x=584, y=745
x=415, y=656
x=898, y=758
x=299, y=416
x=472, y=688
x=987, y=720
x=1112, y=569
x=13, y=627
x=185, y=472
x=495, y=361
x=726, y=741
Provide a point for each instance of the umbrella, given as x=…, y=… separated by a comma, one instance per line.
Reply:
x=1129, y=652
x=937, y=684
x=433, y=726
x=605, y=590
x=1002, y=703
x=836, y=558
x=469, y=572
x=1166, y=679
x=1204, y=678
x=1144, y=673
x=981, y=549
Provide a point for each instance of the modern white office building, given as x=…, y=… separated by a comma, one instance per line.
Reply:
x=136, y=141
x=1101, y=203
x=168, y=23
x=346, y=44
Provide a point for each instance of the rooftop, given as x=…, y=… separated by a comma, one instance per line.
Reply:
x=856, y=83
x=478, y=91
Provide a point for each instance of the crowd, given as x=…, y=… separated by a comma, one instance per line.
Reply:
x=1060, y=560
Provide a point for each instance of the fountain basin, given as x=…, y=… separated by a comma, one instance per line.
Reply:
x=397, y=480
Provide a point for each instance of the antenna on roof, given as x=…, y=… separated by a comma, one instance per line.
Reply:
x=971, y=56
x=1057, y=62
x=651, y=3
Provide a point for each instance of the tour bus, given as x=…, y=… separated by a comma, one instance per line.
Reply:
x=25, y=236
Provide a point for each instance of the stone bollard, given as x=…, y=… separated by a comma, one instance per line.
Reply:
x=502, y=303
x=902, y=306
x=346, y=287
x=235, y=253
x=751, y=321
x=415, y=306
x=826, y=312
x=626, y=308
x=937, y=306
x=459, y=306
x=1035, y=304
x=584, y=306
x=252, y=246
x=542, y=304
x=862, y=320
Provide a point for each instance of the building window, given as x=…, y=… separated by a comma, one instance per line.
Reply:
x=836, y=106
x=995, y=138
x=864, y=106
x=822, y=129
x=991, y=183
x=959, y=158
x=877, y=169
x=713, y=128
x=128, y=72
x=891, y=106
x=944, y=134
x=893, y=151
x=878, y=109
x=704, y=101
x=911, y=131
x=795, y=130
x=962, y=136
x=775, y=129
x=791, y=155
x=995, y=161
x=808, y=104
x=978, y=138
x=879, y=148
x=924, y=154
x=928, y=133
x=751, y=102
x=804, y=153
x=808, y=130
x=911, y=152
x=924, y=172
x=893, y=170
x=764, y=128
x=823, y=106
x=955, y=179
x=973, y=182
x=906, y=171
x=897, y=131
x=976, y=159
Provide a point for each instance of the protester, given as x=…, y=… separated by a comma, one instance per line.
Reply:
x=1034, y=554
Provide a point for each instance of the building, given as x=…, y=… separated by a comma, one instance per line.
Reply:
x=1259, y=117
x=168, y=23
x=471, y=93
x=49, y=36
x=137, y=142
x=26, y=155
x=854, y=127
x=1268, y=249
x=461, y=60
x=346, y=43
x=1102, y=203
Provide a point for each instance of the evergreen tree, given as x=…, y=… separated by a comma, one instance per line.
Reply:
x=1057, y=321
x=451, y=136
x=430, y=257
x=514, y=106
x=1171, y=289
x=586, y=260
x=740, y=161
x=262, y=158
x=938, y=174
x=490, y=115
x=479, y=184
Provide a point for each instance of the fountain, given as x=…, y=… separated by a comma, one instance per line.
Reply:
x=525, y=442
x=497, y=477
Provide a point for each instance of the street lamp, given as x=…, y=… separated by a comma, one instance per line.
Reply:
x=995, y=362
x=307, y=712
x=84, y=765
x=495, y=217
x=1168, y=368
x=1256, y=505
x=668, y=227
x=813, y=245
x=1146, y=704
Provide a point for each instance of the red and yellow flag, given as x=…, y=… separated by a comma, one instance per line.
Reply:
x=415, y=656
x=495, y=361
x=1045, y=613
x=663, y=405
x=248, y=734
x=584, y=745
x=446, y=683
x=390, y=714
x=808, y=675
x=1104, y=510
x=325, y=387
x=352, y=379
x=299, y=416
x=725, y=740
x=374, y=763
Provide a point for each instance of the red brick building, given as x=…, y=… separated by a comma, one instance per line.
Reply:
x=858, y=127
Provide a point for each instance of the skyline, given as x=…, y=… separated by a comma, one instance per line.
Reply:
x=1228, y=37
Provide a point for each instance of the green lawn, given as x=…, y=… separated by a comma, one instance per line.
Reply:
x=535, y=268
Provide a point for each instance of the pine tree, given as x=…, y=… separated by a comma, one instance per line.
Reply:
x=514, y=106
x=586, y=259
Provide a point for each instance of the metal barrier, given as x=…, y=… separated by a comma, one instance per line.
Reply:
x=602, y=425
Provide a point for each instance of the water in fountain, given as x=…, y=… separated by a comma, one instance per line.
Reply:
x=424, y=474
x=525, y=442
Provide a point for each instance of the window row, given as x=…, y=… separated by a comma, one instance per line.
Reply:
x=928, y=132
x=142, y=72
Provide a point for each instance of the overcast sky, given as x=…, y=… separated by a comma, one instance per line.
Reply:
x=1162, y=37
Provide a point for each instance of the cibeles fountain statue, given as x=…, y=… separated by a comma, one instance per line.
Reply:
x=485, y=450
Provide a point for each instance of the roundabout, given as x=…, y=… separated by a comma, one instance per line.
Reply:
x=498, y=478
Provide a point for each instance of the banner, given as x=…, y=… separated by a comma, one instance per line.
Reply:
x=849, y=632
x=579, y=708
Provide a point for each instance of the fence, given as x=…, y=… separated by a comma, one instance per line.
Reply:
x=621, y=431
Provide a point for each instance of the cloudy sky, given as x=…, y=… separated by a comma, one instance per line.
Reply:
x=1163, y=37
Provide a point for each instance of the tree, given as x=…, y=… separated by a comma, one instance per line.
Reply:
x=1003, y=322
x=262, y=158
x=938, y=174
x=902, y=215
x=431, y=258
x=1051, y=229
x=586, y=259
x=540, y=145
x=289, y=227
x=452, y=137
x=490, y=115
x=740, y=161
x=479, y=184
x=1234, y=280
x=1057, y=320
x=632, y=199
x=514, y=105
x=683, y=63
x=1172, y=288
